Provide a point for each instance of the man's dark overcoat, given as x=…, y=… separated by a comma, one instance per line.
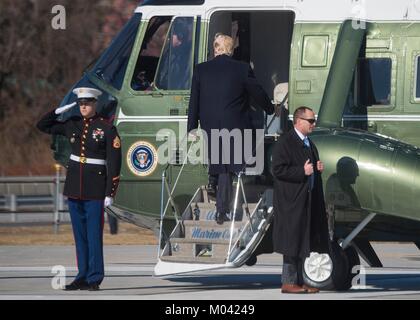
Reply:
x=219, y=100
x=300, y=221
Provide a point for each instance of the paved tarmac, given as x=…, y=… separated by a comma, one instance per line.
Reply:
x=26, y=273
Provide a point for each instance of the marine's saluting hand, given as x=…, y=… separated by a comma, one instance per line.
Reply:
x=65, y=108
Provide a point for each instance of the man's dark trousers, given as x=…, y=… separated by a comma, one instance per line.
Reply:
x=224, y=192
x=292, y=270
x=87, y=218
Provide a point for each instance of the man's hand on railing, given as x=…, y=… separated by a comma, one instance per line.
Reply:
x=193, y=136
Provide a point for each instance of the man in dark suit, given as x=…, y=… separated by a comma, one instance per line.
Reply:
x=91, y=183
x=219, y=96
x=300, y=219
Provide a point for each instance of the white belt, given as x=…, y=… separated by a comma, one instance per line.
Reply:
x=87, y=160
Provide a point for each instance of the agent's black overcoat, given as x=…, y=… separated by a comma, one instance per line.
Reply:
x=300, y=221
x=219, y=100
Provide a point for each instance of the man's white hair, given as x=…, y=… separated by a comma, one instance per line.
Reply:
x=223, y=44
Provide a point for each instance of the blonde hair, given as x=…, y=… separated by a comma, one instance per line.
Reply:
x=222, y=44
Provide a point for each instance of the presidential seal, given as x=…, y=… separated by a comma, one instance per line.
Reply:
x=142, y=158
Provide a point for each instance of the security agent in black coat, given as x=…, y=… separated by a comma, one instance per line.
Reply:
x=91, y=182
x=219, y=100
x=300, y=220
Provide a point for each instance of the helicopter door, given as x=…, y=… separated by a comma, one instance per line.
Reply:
x=155, y=104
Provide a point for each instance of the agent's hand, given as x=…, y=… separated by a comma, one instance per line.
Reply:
x=320, y=166
x=308, y=167
x=108, y=201
x=65, y=108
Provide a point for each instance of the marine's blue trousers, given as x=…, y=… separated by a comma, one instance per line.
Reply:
x=87, y=219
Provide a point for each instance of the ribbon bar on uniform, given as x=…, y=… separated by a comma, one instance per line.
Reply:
x=87, y=160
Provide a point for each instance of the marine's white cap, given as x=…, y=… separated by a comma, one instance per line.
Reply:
x=87, y=93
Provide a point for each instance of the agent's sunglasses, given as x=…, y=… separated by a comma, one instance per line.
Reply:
x=311, y=121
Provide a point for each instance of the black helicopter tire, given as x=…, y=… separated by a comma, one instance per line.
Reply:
x=336, y=268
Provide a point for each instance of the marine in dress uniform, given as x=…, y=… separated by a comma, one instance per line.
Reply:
x=91, y=182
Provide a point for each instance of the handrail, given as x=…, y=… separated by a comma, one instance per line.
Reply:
x=166, y=183
x=165, y=186
x=239, y=185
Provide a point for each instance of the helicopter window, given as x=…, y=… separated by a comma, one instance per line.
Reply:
x=417, y=93
x=113, y=63
x=175, y=67
x=375, y=81
x=150, y=51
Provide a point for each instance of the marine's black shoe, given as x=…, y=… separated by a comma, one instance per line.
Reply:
x=93, y=287
x=77, y=285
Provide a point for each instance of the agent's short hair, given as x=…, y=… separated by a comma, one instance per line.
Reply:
x=299, y=112
x=222, y=44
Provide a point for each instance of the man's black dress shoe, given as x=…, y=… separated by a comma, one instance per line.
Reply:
x=221, y=217
x=77, y=285
x=93, y=287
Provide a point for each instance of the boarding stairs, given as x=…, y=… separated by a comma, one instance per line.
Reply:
x=198, y=243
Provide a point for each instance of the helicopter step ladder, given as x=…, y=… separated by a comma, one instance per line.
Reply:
x=198, y=243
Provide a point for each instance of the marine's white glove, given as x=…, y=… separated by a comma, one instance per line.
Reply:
x=65, y=108
x=108, y=201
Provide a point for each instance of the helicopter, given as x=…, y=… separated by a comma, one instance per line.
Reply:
x=355, y=65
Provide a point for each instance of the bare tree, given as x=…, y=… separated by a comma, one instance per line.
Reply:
x=38, y=65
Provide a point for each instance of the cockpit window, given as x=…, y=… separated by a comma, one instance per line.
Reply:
x=175, y=66
x=150, y=51
x=112, y=65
